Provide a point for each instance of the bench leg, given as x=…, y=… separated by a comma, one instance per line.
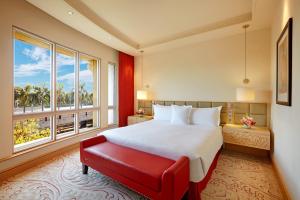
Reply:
x=85, y=169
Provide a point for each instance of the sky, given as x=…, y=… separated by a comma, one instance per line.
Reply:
x=32, y=65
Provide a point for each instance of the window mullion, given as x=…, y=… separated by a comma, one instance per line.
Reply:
x=98, y=92
x=53, y=92
x=76, y=99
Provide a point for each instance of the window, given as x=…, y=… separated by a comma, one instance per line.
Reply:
x=65, y=78
x=88, y=82
x=32, y=74
x=55, y=91
x=87, y=120
x=112, y=94
x=32, y=131
x=65, y=125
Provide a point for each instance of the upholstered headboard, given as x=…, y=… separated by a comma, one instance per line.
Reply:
x=231, y=112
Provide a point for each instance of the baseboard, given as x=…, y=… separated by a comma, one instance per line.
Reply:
x=281, y=181
x=31, y=163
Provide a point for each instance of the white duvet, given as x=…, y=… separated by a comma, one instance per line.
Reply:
x=199, y=143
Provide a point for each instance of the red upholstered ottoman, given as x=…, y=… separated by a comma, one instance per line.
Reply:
x=151, y=175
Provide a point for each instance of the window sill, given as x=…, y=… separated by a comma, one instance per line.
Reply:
x=31, y=144
x=29, y=150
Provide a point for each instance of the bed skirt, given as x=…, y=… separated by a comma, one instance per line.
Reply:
x=195, y=189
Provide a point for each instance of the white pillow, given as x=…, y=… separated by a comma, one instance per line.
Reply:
x=162, y=112
x=180, y=114
x=206, y=116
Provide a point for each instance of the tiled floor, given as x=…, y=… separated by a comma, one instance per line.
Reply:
x=237, y=176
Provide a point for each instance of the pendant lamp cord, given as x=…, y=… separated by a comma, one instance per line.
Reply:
x=142, y=66
x=246, y=52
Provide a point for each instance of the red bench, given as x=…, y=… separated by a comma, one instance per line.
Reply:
x=155, y=177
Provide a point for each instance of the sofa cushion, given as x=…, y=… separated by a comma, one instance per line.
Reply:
x=143, y=168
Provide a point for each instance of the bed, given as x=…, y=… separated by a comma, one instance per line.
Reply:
x=176, y=133
x=199, y=143
x=198, y=140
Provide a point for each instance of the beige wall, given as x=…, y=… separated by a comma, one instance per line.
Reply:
x=211, y=70
x=22, y=14
x=285, y=120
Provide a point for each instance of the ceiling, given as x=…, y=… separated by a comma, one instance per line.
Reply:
x=134, y=25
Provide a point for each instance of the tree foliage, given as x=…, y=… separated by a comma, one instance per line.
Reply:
x=85, y=98
x=29, y=130
x=39, y=96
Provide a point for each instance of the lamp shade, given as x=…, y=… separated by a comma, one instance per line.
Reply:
x=141, y=95
x=245, y=94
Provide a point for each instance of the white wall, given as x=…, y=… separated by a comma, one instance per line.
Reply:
x=285, y=120
x=22, y=14
x=211, y=70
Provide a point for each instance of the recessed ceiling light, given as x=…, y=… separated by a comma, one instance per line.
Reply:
x=70, y=12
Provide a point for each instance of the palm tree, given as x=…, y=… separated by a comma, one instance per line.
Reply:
x=24, y=96
x=60, y=95
x=82, y=93
x=42, y=95
x=17, y=95
x=86, y=98
x=45, y=98
x=34, y=97
x=91, y=98
x=68, y=99
x=72, y=95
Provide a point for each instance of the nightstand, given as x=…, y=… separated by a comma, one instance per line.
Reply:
x=255, y=137
x=138, y=118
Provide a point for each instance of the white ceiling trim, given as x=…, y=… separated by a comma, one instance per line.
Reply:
x=97, y=28
x=59, y=10
x=198, y=38
x=198, y=31
x=92, y=16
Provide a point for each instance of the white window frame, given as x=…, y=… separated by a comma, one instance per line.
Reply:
x=53, y=100
x=115, y=107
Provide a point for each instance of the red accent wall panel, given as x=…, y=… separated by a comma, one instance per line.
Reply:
x=126, y=87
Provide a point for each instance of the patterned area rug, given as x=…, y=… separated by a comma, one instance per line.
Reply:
x=237, y=176
x=240, y=176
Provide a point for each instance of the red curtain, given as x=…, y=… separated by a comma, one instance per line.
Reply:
x=126, y=87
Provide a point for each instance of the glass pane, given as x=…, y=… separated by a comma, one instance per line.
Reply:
x=32, y=67
x=111, y=85
x=111, y=116
x=65, y=125
x=87, y=120
x=65, y=80
x=32, y=131
x=87, y=82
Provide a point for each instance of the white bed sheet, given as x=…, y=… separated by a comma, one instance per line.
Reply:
x=199, y=143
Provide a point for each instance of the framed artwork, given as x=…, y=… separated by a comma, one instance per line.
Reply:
x=284, y=66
